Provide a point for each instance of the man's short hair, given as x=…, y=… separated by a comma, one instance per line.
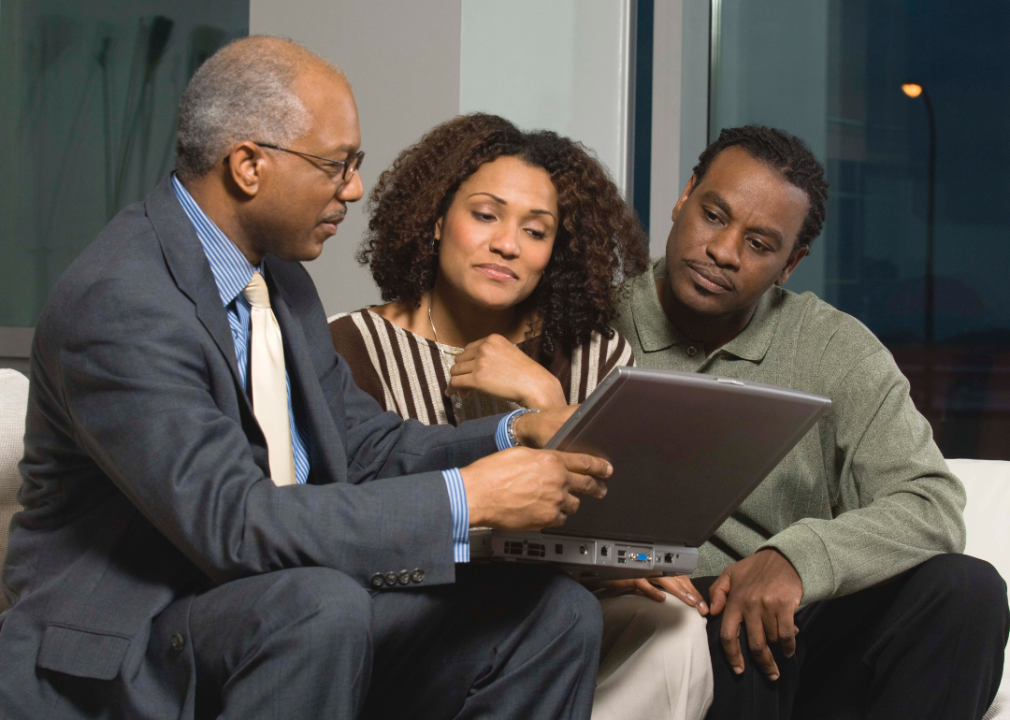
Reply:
x=244, y=91
x=787, y=155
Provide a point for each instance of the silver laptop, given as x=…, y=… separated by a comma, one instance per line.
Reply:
x=686, y=448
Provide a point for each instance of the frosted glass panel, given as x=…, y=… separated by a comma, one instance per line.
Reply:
x=87, y=122
x=561, y=65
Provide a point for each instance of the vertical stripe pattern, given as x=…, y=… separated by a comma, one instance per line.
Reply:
x=414, y=371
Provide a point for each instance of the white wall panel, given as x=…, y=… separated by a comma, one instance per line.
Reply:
x=561, y=65
x=402, y=58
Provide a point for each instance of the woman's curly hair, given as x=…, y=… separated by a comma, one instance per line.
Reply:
x=599, y=240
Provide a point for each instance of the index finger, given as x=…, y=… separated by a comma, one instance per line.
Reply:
x=586, y=464
x=586, y=485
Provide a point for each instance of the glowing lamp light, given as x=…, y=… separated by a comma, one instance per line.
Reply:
x=913, y=90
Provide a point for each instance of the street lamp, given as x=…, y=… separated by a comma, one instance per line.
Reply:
x=916, y=90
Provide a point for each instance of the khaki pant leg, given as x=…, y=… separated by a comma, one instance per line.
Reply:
x=654, y=660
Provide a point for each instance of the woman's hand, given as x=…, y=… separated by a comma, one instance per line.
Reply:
x=497, y=367
x=679, y=586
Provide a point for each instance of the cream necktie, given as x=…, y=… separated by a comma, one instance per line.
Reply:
x=269, y=382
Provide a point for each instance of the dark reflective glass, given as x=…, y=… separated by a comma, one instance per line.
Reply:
x=832, y=71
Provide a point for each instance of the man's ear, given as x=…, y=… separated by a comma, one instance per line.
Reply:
x=246, y=164
x=688, y=189
x=799, y=252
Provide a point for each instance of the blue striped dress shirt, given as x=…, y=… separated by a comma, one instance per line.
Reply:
x=232, y=272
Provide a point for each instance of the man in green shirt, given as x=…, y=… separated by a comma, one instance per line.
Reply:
x=854, y=538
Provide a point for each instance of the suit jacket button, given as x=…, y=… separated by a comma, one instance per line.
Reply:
x=404, y=577
x=377, y=580
x=178, y=642
x=417, y=576
x=391, y=579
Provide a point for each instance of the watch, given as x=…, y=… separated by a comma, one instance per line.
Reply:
x=510, y=427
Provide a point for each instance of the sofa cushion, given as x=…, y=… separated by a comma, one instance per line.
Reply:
x=986, y=515
x=13, y=405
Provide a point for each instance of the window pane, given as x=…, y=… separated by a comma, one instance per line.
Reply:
x=87, y=122
x=831, y=71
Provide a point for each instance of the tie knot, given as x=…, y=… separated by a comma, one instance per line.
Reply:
x=256, y=292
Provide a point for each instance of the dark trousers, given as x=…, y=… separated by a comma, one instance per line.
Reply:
x=502, y=642
x=927, y=645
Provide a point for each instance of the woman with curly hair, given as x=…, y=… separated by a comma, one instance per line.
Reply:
x=500, y=255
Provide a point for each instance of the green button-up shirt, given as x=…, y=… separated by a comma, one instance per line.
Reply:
x=866, y=494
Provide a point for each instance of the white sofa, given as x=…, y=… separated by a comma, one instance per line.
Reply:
x=987, y=515
x=987, y=482
x=13, y=404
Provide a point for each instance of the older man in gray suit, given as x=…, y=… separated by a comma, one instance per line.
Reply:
x=217, y=522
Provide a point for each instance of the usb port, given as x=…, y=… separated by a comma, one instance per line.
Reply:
x=620, y=553
x=621, y=561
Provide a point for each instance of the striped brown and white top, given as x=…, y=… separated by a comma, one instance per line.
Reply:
x=408, y=374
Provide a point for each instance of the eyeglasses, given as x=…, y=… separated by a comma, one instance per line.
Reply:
x=343, y=168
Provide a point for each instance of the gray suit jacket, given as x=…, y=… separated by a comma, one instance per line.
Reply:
x=145, y=472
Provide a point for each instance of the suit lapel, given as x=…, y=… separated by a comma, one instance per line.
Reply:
x=191, y=270
x=327, y=458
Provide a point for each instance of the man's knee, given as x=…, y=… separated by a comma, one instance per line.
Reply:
x=567, y=603
x=963, y=581
x=326, y=603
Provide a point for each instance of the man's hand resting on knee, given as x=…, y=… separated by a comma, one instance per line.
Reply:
x=762, y=592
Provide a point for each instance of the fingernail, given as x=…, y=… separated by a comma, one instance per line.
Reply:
x=738, y=670
x=774, y=678
x=690, y=598
x=610, y=469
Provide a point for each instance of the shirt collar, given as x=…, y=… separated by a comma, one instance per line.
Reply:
x=231, y=270
x=655, y=332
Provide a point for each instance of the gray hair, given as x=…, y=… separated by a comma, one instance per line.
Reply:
x=243, y=92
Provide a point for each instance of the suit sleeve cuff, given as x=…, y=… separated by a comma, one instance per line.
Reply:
x=501, y=436
x=460, y=515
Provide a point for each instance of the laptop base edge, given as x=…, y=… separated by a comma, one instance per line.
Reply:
x=585, y=559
